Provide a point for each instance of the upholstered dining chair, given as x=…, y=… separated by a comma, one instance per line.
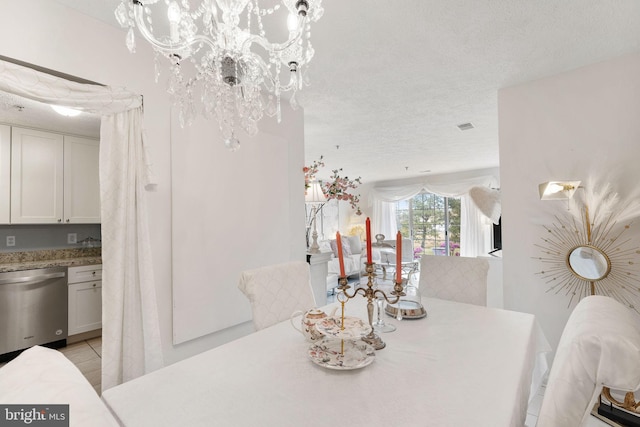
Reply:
x=276, y=291
x=454, y=278
x=599, y=347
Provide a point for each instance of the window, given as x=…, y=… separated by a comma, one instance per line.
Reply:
x=432, y=222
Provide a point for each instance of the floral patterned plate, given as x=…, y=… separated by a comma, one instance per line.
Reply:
x=354, y=327
x=342, y=354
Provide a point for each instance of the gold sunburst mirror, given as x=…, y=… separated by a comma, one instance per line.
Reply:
x=588, y=253
x=589, y=263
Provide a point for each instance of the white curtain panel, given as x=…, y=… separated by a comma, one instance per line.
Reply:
x=384, y=219
x=475, y=234
x=131, y=343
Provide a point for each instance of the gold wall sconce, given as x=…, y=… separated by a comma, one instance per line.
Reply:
x=558, y=190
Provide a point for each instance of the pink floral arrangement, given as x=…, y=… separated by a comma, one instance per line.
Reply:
x=310, y=172
x=338, y=187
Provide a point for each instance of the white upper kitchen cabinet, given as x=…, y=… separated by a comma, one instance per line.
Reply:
x=37, y=161
x=81, y=180
x=54, y=178
x=5, y=174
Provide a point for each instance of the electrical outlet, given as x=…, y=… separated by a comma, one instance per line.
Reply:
x=72, y=238
x=11, y=240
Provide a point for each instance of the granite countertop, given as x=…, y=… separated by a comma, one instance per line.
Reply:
x=17, y=261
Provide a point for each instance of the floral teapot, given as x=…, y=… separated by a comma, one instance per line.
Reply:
x=308, y=321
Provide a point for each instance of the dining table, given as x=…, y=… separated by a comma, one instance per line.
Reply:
x=461, y=365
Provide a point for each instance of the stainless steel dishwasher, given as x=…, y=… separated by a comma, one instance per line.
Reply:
x=33, y=309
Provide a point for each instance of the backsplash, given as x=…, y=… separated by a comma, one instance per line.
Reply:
x=29, y=237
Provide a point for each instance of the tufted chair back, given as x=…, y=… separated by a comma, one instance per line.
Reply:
x=454, y=278
x=276, y=291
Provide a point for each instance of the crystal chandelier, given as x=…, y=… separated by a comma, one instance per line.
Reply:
x=235, y=70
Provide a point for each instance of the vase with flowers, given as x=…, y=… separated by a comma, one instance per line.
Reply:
x=337, y=187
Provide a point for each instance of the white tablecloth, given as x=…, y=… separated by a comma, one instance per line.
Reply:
x=461, y=366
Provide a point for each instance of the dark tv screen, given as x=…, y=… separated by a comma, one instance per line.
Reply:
x=497, y=235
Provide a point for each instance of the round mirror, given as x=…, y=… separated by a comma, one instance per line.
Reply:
x=588, y=262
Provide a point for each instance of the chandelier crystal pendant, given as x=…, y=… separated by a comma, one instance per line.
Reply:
x=234, y=70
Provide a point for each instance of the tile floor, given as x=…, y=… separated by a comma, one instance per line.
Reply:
x=87, y=356
x=534, y=409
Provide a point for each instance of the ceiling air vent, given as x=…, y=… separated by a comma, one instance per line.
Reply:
x=465, y=126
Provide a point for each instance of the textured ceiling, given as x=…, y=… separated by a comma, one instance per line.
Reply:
x=25, y=112
x=391, y=80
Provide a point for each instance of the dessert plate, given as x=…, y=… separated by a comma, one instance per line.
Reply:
x=342, y=354
x=354, y=327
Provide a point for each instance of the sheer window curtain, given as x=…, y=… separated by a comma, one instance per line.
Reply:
x=475, y=231
x=384, y=219
x=384, y=199
x=131, y=333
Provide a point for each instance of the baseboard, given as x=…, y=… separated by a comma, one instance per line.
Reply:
x=84, y=336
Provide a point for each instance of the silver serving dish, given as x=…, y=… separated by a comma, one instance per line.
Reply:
x=408, y=310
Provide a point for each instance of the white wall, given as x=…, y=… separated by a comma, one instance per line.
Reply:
x=44, y=33
x=231, y=212
x=575, y=125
